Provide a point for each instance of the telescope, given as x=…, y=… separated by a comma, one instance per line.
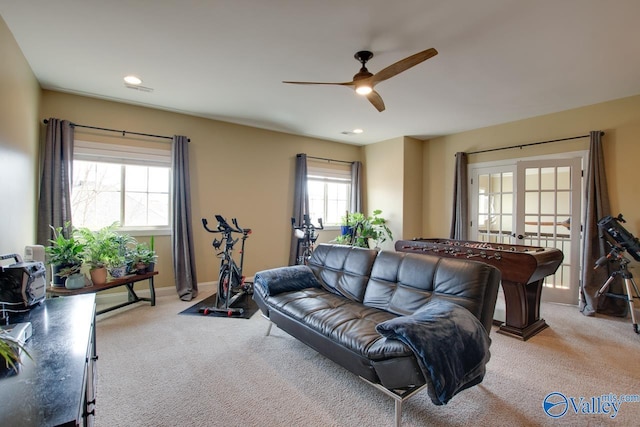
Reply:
x=624, y=241
x=618, y=233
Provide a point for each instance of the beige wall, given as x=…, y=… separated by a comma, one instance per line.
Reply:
x=394, y=185
x=383, y=175
x=18, y=147
x=236, y=171
x=412, y=189
x=619, y=119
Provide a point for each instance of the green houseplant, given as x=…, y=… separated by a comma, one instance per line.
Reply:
x=97, y=252
x=121, y=259
x=142, y=257
x=106, y=250
x=65, y=253
x=362, y=229
x=10, y=350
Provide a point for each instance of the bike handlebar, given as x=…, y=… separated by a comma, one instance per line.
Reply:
x=306, y=224
x=224, y=227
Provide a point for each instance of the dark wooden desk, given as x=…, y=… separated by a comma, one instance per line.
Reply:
x=55, y=387
x=127, y=281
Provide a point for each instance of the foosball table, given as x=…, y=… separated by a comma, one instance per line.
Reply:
x=523, y=271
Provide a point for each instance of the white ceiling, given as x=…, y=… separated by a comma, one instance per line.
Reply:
x=498, y=61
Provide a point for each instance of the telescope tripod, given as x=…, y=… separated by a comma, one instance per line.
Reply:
x=628, y=283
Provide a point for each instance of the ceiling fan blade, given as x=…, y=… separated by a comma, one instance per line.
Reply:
x=375, y=98
x=403, y=65
x=321, y=83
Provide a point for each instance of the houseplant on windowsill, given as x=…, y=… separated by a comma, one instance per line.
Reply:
x=65, y=252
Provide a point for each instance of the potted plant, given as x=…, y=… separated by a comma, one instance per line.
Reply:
x=376, y=229
x=10, y=350
x=100, y=247
x=152, y=263
x=120, y=259
x=73, y=278
x=362, y=230
x=65, y=252
x=142, y=257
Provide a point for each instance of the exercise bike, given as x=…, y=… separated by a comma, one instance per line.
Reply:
x=306, y=234
x=231, y=282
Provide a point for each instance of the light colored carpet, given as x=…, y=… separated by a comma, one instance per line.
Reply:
x=158, y=368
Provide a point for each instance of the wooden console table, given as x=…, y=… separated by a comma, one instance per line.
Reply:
x=126, y=281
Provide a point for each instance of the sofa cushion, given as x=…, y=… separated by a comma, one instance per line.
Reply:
x=400, y=284
x=343, y=270
x=403, y=282
x=346, y=322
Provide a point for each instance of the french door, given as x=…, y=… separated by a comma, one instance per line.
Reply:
x=533, y=203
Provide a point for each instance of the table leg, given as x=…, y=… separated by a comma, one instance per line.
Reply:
x=152, y=291
x=522, y=309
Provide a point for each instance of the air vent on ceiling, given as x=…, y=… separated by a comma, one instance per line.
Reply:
x=140, y=88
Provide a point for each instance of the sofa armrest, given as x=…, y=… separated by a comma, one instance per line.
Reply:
x=450, y=343
x=285, y=279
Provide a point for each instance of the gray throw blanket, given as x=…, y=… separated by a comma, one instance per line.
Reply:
x=285, y=279
x=451, y=345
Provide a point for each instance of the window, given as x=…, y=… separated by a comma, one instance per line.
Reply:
x=329, y=187
x=128, y=185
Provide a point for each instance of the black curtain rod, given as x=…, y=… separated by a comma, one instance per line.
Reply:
x=328, y=160
x=531, y=143
x=123, y=132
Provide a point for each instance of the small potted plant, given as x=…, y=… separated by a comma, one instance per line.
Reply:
x=73, y=278
x=65, y=253
x=142, y=257
x=119, y=261
x=10, y=350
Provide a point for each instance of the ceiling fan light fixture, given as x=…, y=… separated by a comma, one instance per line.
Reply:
x=364, y=90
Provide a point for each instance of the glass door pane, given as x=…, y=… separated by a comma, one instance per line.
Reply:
x=551, y=193
x=495, y=207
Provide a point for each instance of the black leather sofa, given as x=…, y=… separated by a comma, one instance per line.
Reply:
x=402, y=322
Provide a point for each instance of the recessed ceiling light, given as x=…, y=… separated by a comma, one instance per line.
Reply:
x=358, y=131
x=133, y=80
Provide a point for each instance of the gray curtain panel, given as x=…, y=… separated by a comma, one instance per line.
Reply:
x=460, y=214
x=184, y=263
x=54, y=202
x=356, y=187
x=594, y=247
x=300, y=202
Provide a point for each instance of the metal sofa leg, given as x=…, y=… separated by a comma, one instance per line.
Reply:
x=398, y=396
x=398, y=411
x=270, y=325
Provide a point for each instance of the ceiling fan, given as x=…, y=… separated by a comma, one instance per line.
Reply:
x=364, y=81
